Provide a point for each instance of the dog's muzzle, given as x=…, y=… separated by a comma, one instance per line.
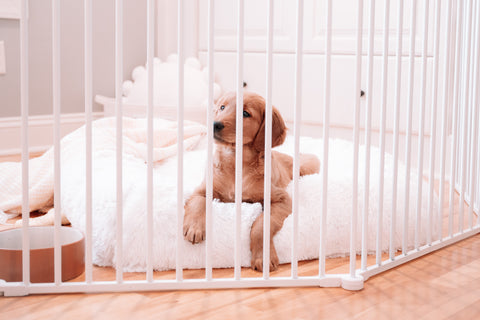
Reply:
x=218, y=126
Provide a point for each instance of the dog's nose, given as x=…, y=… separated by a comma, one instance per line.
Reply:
x=218, y=126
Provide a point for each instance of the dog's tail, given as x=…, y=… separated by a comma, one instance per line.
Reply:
x=309, y=164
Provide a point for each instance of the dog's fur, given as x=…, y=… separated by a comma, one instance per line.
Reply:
x=253, y=172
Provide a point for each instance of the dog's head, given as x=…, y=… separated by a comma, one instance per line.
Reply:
x=253, y=121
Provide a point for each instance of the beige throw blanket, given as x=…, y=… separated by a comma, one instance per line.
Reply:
x=41, y=169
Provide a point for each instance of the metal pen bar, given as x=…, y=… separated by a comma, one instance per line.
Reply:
x=368, y=131
x=56, y=85
x=396, y=128
x=296, y=133
x=474, y=134
x=209, y=173
x=239, y=139
x=119, y=125
x=469, y=148
x=409, y=126
x=358, y=77
x=471, y=73
x=180, y=134
x=477, y=206
x=88, y=71
x=268, y=146
x=326, y=137
x=383, y=117
x=24, y=101
x=422, y=124
x=465, y=117
x=471, y=111
x=446, y=82
x=455, y=119
x=433, y=120
x=150, y=93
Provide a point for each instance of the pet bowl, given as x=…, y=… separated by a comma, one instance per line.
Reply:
x=41, y=254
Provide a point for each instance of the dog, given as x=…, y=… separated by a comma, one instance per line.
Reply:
x=253, y=172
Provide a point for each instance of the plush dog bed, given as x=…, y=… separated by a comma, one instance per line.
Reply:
x=165, y=208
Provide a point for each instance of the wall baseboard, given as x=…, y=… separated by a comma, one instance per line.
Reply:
x=40, y=131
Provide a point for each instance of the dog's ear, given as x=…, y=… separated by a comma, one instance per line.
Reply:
x=279, y=131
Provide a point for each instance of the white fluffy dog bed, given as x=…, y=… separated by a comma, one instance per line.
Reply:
x=165, y=208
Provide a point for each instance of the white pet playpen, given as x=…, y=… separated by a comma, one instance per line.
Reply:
x=402, y=184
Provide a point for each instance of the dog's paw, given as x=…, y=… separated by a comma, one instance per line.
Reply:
x=194, y=231
x=257, y=261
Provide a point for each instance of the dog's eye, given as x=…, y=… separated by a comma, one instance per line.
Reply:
x=246, y=114
x=222, y=107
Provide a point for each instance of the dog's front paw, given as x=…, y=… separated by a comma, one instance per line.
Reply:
x=257, y=260
x=194, y=230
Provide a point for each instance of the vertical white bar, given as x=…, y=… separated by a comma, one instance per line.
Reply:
x=474, y=106
x=409, y=126
x=150, y=93
x=465, y=116
x=472, y=39
x=296, y=133
x=476, y=163
x=356, y=142
x=25, y=172
x=88, y=70
x=56, y=85
x=396, y=128
x=180, y=112
x=433, y=124
x=326, y=137
x=470, y=113
x=297, y=120
x=209, y=176
x=422, y=122
x=446, y=83
x=239, y=138
x=368, y=129
x=118, y=109
x=268, y=146
x=451, y=62
x=455, y=119
x=383, y=117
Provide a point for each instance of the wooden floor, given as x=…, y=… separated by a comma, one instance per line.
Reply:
x=442, y=285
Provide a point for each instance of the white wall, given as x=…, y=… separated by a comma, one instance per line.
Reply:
x=71, y=53
x=343, y=63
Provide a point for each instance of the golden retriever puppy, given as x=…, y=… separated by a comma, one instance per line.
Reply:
x=253, y=172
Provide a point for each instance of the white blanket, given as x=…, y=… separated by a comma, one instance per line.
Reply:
x=165, y=206
x=41, y=169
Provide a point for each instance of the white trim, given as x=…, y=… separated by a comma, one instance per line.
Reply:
x=40, y=131
x=9, y=9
